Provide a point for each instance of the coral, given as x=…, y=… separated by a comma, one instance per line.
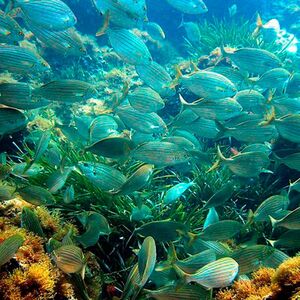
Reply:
x=35, y=282
x=267, y=283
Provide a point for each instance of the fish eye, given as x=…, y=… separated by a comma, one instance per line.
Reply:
x=21, y=33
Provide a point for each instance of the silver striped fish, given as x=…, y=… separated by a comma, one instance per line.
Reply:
x=50, y=14
x=142, y=122
x=129, y=47
x=120, y=15
x=16, y=59
x=193, y=7
x=161, y=154
x=254, y=60
x=66, y=42
x=219, y=273
x=220, y=109
x=18, y=95
x=208, y=85
x=66, y=90
x=10, y=31
x=11, y=120
x=145, y=100
x=155, y=76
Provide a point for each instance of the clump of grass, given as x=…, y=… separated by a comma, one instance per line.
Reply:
x=232, y=33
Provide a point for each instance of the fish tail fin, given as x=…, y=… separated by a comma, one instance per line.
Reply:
x=271, y=242
x=220, y=158
x=105, y=24
x=250, y=217
x=182, y=101
x=220, y=154
x=259, y=25
x=259, y=22
x=195, y=67
x=178, y=75
x=182, y=22
x=273, y=221
x=223, y=51
x=270, y=117
x=222, y=130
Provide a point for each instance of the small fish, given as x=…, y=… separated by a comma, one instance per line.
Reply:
x=95, y=226
x=69, y=194
x=9, y=247
x=141, y=213
x=292, y=161
x=11, y=120
x=162, y=231
x=206, y=84
x=161, y=154
x=141, y=121
x=195, y=244
x=59, y=16
x=145, y=100
x=253, y=60
x=193, y=7
x=36, y=195
x=57, y=179
x=129, y=47
x=275, y=78
x=218, y=109
x=283, y=105
x=31, y=222
x=288, y=240
x=192, y=31
x=211, y=218
x=125, y=16
x=193, y=263
x=272, y=206
x=67, y=42
x=176, y=191
x=155, y=31
x=222, y=230
x=67, y=90
x=290, y=221
x=18, y=95
x=112, y=147
x=10, y=31
x=232, y=10
x=173, y=292
x=251, y=258
x=293, y=86
x=102, y=127
x=251, y=101
x=70, y=259
x=221, y=196
x=219, y=273
x=146, y=259
x=155, y=76
x=248, y=164
x=21, y=60
x=287, y=126
x=102, y=176
x=137, y=181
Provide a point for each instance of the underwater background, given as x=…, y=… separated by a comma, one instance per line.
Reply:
x=149, y=149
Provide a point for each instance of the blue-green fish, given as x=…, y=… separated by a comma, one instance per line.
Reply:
x=176, y=192
x=193, y=7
